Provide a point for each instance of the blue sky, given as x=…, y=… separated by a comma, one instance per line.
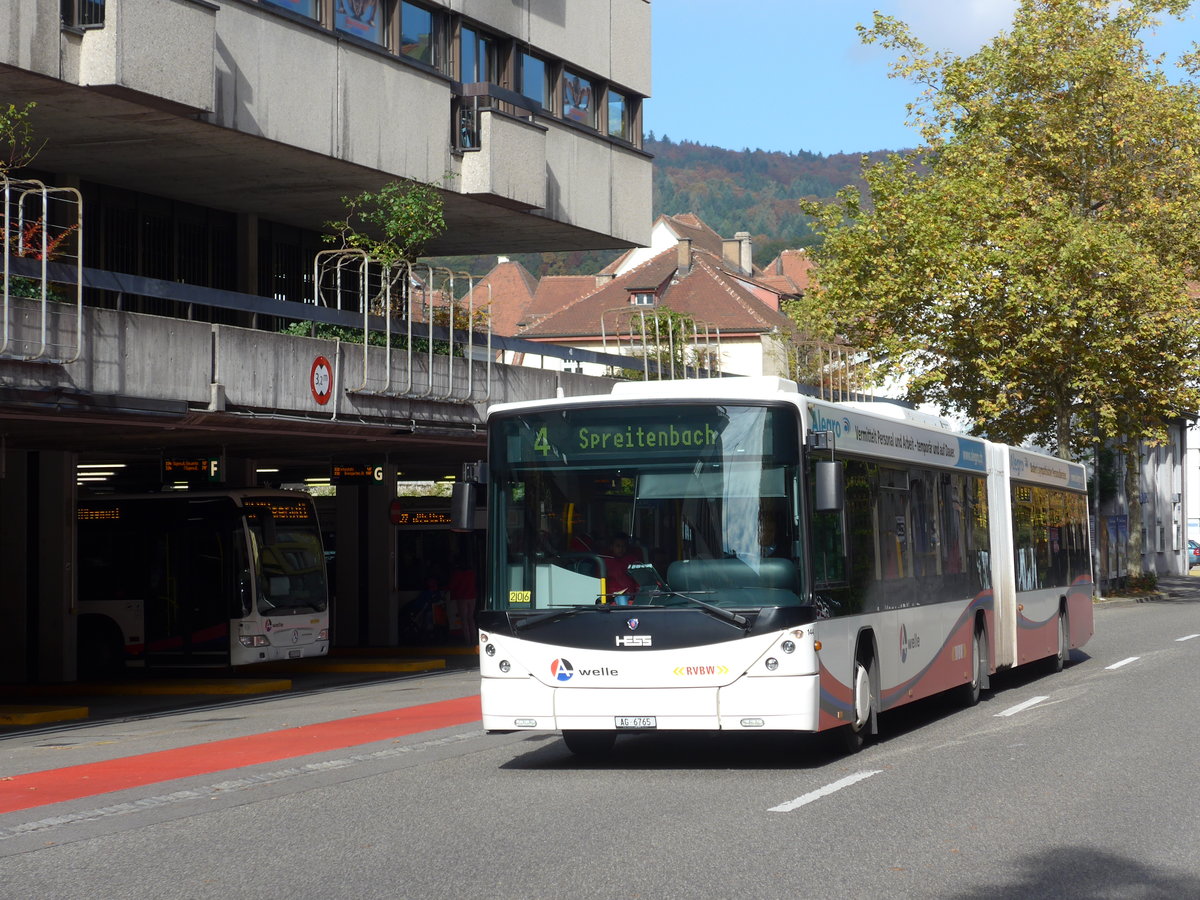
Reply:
x=792, y=74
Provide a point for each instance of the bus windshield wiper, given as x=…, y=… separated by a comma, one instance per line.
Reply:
x=646, y=577
x=720, y=612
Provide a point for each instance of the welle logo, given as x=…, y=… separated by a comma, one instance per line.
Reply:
x=562, y=670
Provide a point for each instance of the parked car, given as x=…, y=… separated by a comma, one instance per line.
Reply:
x=1193, y=553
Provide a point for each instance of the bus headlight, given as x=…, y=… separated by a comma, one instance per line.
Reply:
x=772, y=664
x=254, y=640
x=490, y=649
x=505, y=665
x=323, y=634
x=788, y=647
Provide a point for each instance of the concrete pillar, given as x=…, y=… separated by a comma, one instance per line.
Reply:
x=15, y=656
x=366, y=598
x=54, y=555
x=347, y=614
x=383, y=598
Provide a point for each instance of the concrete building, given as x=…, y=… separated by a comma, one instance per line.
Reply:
x=189, y=155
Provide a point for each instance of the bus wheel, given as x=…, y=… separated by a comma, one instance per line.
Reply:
x=101, y=652
x=968, y=693
x=1059, y=659
x=589, y=743
x=854, y=735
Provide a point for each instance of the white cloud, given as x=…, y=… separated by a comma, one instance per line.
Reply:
x=962, y=26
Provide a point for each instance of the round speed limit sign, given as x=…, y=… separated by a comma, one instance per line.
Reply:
x=320, y=380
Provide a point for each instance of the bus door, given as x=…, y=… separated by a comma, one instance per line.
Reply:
x=187, y=617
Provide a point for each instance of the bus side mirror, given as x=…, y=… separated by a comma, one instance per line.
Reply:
x=462, y=497
x=829, y=487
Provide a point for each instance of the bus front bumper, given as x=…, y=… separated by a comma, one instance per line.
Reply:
x=778, y=703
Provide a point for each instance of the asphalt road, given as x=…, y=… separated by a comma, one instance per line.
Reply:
x=1077, y=785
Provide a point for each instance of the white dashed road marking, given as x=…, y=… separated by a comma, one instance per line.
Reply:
x=823, y=792
x=1021, y=707
x=1123, y=662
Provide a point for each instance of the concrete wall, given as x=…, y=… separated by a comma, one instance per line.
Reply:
x=154, y=358
x=510, y=162
x=29, y=36
x=163, y=48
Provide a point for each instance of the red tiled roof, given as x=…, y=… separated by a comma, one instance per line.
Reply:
x=556, y=291
x=711, y=293
x=789, y=272
x=512, y=291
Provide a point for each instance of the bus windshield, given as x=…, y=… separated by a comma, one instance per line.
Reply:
x=289, y=559
x=653, y=505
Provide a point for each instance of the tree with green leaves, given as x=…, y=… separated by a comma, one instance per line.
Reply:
x=392, y=227
x=19, y=147
x=1028, y=265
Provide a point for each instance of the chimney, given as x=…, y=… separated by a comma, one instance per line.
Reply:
x=747, y=252
x=684, y=251
x=731, y=251
x=603, y=278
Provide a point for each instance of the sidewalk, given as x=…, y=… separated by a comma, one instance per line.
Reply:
x=1171, y=589
x=141, y=692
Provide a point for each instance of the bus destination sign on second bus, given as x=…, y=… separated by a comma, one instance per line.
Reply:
x=192, y=469
x=355, y=473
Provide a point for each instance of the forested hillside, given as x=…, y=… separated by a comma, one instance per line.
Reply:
x=748, y=190
x=730, y=190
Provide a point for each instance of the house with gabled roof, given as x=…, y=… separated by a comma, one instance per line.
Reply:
x=731, y=310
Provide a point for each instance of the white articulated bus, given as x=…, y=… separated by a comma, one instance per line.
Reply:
x=214, y=578
x=785, y=563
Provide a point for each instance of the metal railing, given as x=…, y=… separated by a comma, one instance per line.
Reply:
x=836, y=371
x=664, y=350
x=416, y=304
x=41, y=224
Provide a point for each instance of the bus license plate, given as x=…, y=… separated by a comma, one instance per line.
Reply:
x=636, y=722
x=295, y=654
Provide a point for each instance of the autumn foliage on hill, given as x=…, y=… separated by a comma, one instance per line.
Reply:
x=749, y=190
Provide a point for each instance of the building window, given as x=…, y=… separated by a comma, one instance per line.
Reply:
x=361, y=18
x=578, y=100
x=418, y=33
x=83, y=13
x=478, y=57
x=534, y=78
x=641, y=298
x=303, y=7
x=618, y=116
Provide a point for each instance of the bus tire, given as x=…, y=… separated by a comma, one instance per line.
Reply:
x=101, y=652
x=854, y=735
x=589, y=743
x=1059, y=659
x=968, y=694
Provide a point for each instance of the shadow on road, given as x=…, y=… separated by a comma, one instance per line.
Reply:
x=1082, y=873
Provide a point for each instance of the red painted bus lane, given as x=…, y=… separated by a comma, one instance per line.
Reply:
x=74, y=782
